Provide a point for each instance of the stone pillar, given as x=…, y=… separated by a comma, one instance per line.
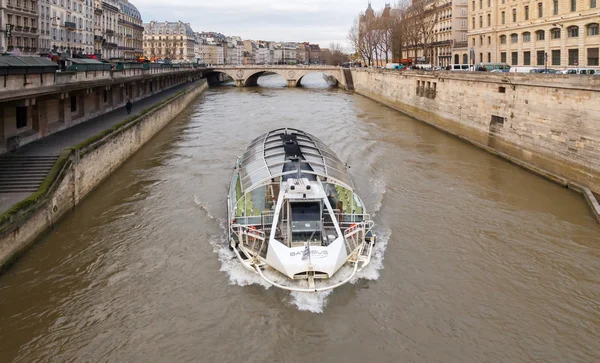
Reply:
x=292, y=82
x=239, y=83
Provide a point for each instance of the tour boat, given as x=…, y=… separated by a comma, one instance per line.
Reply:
x=294, y=217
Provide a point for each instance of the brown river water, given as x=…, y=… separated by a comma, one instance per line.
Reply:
x=477, y=260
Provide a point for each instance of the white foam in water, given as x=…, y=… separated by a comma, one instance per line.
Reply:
x=379, y=188
x=313, y=302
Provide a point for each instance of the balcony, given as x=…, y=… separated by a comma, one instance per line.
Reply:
x=110, y=45
x=98, y=38
x=70, y=25
x=129, y=36
x=33, y=30
x=461, y=44
x=110, y=32
x=18, y=28
x=98, y=11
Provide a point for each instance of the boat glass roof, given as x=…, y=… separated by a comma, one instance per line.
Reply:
x=266, y=156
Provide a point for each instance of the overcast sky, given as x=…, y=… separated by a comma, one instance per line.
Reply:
x=315, y=21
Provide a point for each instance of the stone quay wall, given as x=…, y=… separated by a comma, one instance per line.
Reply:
x=549, y=124
x=81, y=169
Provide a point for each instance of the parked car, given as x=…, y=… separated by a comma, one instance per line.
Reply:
x=543, y=70
x=521, y=69
x=581, y=71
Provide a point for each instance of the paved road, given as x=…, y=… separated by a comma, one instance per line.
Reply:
x=55, y=143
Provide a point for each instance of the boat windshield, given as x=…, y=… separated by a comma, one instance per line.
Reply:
x=306, y=221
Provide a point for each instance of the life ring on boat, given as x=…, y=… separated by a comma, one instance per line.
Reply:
x=352, y=225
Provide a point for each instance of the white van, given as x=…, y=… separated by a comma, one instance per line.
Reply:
x=460, y=67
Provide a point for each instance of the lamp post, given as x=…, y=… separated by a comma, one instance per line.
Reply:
x=545, y=62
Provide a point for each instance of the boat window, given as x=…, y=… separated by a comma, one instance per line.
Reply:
x=306, y=221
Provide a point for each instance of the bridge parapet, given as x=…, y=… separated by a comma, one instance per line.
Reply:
x=245, y=76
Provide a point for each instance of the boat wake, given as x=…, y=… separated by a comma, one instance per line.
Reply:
x=203, y=207
x=314, y=301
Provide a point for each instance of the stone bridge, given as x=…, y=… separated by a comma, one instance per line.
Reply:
x=245, y=76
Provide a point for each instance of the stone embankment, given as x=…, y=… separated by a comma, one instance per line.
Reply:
x=80, y=169
x=549, y=124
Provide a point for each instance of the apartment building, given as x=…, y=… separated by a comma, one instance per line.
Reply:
x=557, y=33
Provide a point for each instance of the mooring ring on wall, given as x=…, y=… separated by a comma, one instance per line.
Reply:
x=240, y=73
x=291, y=74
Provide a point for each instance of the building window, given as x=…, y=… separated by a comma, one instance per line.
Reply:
x=573, y=57
x=540, y=35
x=556, y=57
x=514, y=38
x=503, y=39
x=21, y=117
x=526, y=37
x=573, y=5
x=481, y=21
x=555, y=33
x=489, y=40
x=473, y=5
x=592, y=56
x=514, y=15
x=503, y=57
x=481, y=57
x=540, y=10
x=592, y=29
x=540, y=57
x=480, y=4
x=473, y=25
x=526, y=58
x=503, y=17
x=573, y=31
x=489, y=3
x=592, y=3
x=489, y=20
x=105, y=94
x=514, y=58
x=527, y=13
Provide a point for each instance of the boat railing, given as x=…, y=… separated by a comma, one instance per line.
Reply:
x=253, y=239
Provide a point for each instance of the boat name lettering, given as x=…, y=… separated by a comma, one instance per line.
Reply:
x=315, y=253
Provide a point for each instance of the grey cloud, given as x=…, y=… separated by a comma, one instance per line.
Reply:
x=321, y=22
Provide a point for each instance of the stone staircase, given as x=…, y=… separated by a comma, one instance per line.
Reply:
x=349, y=81
x=19, y=174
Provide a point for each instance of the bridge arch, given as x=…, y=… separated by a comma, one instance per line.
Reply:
x=214, y=77
x=329, y=74
x=252, y=79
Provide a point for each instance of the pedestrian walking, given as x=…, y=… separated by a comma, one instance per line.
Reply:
x=128, y=106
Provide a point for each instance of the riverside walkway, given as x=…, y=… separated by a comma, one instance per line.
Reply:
x=52, y=145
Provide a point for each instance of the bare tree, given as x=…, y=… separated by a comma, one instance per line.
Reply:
x=334, y=55
x=362, y=38
x=426, y=16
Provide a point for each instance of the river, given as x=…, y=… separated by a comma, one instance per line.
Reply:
x=477, y=259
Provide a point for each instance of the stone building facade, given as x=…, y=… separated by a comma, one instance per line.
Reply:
x=20, y=23
x=169, y=40
x=130, y=32
x=118, y=30
x=563, y=33
x=69, y=24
